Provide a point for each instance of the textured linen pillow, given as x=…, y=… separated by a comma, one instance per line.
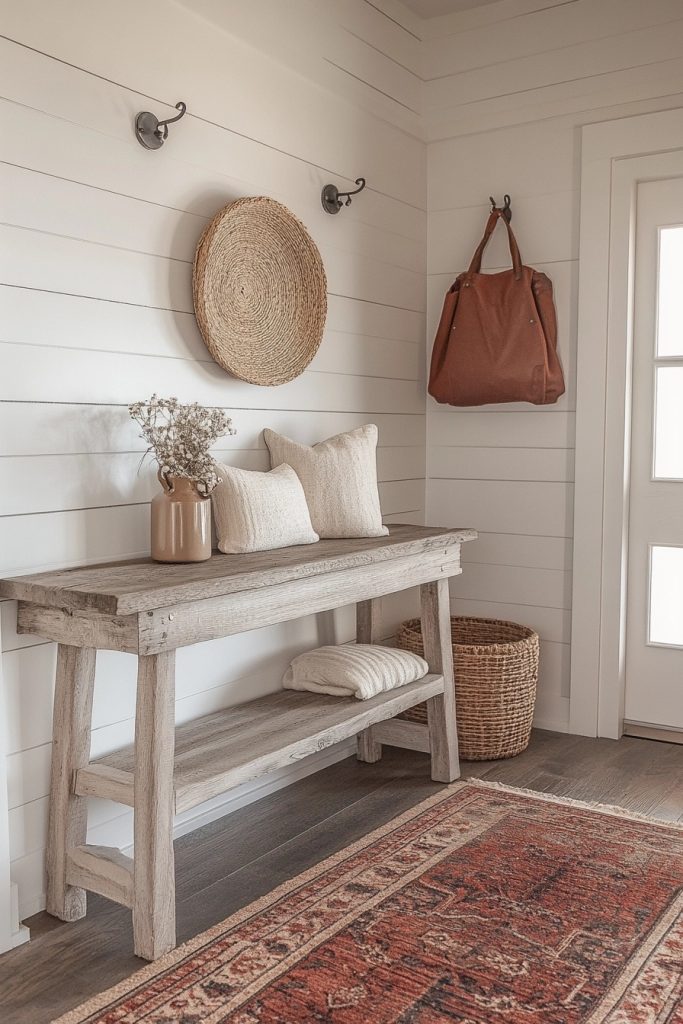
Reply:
x=339, y=478
x=259, y=511
x=354, y=670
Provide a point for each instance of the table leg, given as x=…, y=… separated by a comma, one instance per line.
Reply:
x=438, y=648
x=153, y=864
x=368, y=631
x=68, y=818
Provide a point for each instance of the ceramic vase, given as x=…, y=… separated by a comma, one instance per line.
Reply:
x=181, y=522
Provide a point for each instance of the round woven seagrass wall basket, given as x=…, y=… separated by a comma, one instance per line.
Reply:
x=496, y=671
x=260, y=291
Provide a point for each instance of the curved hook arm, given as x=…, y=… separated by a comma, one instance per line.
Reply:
x=361, y=185
x=332, y=198
x=182, y=107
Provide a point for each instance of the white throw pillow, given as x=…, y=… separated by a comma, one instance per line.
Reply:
x=354, y=670
x=259, y=511
x=339, y=477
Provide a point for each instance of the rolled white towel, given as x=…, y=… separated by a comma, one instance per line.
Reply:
x=354, y=670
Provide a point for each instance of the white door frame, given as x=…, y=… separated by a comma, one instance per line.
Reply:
x=615, y=156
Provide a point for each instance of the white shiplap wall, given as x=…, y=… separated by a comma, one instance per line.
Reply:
x=508, y=86
x=97, y=241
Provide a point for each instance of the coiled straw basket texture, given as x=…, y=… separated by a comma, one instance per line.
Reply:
x=496, y=671
x=260, y=291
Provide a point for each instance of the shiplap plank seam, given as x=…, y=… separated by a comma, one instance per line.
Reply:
x=512, y=447
x=233, y=408
x=494, y=270
x=134, y=504
x=208, y=362
x=483, y=16
x=411, y=71
x=404, y=13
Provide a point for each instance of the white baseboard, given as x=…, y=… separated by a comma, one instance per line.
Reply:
x=32, y=905
x=551, y=724
x=231, y=801
x=551, y=713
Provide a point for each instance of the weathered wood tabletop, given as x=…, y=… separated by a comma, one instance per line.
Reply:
x=126, y=587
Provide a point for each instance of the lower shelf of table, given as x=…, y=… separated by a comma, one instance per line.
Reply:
x=218, y=752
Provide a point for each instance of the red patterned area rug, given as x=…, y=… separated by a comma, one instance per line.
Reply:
x=482, y=905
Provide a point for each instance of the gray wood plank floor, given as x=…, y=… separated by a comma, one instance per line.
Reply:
x=231, y=862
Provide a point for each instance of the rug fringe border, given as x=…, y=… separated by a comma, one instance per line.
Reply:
x=80, y=1014
x=613, y=810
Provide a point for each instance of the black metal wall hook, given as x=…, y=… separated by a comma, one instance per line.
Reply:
x=152, y=133
x=332, y=198
x=505, y=209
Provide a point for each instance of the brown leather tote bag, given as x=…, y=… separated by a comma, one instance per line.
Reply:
x=497, y=337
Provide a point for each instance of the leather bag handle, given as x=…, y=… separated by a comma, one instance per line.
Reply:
x=494, y=217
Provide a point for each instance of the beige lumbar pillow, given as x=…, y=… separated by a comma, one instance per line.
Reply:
x=354, y=670
x=259, y=511
x=339, y=477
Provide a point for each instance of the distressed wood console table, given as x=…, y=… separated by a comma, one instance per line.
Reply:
x=149, y=610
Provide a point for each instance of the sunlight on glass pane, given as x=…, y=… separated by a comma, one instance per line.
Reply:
x=666, y=596
x=670, y=314
x=669, y=423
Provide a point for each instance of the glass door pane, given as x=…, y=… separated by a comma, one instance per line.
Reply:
x=669, y=423
x=666, y=596
x=669, y=308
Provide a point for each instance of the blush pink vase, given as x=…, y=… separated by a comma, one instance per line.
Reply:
x=181, y=522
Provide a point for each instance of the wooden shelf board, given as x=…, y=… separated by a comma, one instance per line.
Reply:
x=218, y=752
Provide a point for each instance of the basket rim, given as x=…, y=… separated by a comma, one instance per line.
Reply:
x=530, y=636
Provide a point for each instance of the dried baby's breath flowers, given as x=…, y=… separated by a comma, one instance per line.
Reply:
x=181, y=435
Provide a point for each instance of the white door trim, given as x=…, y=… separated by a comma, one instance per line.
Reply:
x=615, y=156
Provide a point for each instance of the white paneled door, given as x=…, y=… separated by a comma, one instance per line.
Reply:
x=654, y=641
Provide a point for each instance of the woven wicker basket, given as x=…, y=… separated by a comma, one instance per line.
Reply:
x=496, y=670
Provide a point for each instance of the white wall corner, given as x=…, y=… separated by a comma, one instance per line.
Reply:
x=12, y=933
x=19, y=933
